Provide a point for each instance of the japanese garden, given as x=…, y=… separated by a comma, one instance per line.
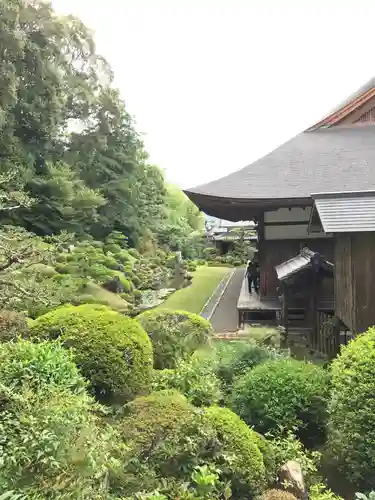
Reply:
x=134, y=362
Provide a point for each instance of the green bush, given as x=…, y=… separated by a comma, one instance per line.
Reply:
x=113, y=351
x=281, y=449
x=12, y=324
x=193, y=377
x=125, y=283
x=51, y=443
x=321, y=492
x=236, y=358
x=176, y=438
x=174, y=334
x=351, y=426
x=243, y=464
x=212, y=263
x=284, y=394
x=136, y=281
x=26, y=364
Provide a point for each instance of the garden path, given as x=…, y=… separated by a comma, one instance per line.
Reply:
x=225, y=317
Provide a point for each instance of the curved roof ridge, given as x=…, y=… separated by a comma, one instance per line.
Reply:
x=361, y=91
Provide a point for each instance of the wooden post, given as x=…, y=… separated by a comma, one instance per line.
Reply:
x=261, y=255
x=285, y=318
x=313, y=307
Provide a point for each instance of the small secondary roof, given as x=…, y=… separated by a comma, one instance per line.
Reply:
x=344, y=212
x=300, y=262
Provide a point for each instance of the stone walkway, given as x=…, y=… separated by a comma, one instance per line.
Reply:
x=225, y=317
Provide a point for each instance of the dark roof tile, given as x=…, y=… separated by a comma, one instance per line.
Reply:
x=336, y=159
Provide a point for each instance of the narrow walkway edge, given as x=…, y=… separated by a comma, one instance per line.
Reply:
x=225, y=316
x=211, y=303
x=221, y=295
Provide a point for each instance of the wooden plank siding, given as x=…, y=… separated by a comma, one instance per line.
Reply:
x=355, y=280
x=344, y=306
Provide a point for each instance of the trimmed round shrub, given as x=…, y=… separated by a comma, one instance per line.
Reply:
x=243, y=464
x=12, y=324
x=113, y=352
x=176, y=438
x=174, y=334
x=351, y=427
x=284, y=394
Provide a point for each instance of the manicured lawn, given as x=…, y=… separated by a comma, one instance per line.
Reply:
x=194, y=297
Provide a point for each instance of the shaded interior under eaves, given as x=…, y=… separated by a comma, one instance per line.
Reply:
x=336, y=154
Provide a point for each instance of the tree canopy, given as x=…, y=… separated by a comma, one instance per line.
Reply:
x=69, y=149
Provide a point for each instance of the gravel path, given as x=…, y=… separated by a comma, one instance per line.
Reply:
x=225, y=317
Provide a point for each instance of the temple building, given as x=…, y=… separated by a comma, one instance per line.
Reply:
x=278, y=192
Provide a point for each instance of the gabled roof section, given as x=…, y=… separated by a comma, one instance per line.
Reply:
x=348, y=106
x=346, y=212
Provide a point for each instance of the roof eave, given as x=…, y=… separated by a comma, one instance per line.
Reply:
x=236, y=209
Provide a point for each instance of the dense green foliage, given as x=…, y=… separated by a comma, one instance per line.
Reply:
x=86, y=220
x=283, y=394
x=351, y=423
x=242, y=442
x=51, y=445
x=12, y=324
x=174, y=334
x=71, y=158
x=176, y=439
x=236, y=358
x=112, y=351
x=194, y=377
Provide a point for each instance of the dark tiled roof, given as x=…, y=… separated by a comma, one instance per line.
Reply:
x=336, y=159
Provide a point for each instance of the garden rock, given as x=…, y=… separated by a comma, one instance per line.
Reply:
x=291, y=478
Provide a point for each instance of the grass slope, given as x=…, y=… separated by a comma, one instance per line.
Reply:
x=106, y=297
x=194, y=297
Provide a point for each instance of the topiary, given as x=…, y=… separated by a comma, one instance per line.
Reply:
x=243, y=464
x=112, y=351
x=12, y=324
x=284, y=394
x=351, y=426
x=174, y=334
x=176, y=438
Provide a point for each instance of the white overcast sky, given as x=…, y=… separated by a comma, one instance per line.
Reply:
x=215, y=84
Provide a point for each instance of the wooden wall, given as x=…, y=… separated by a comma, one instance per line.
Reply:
x=274, y=252
x=355, y=280
x=344, y=299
